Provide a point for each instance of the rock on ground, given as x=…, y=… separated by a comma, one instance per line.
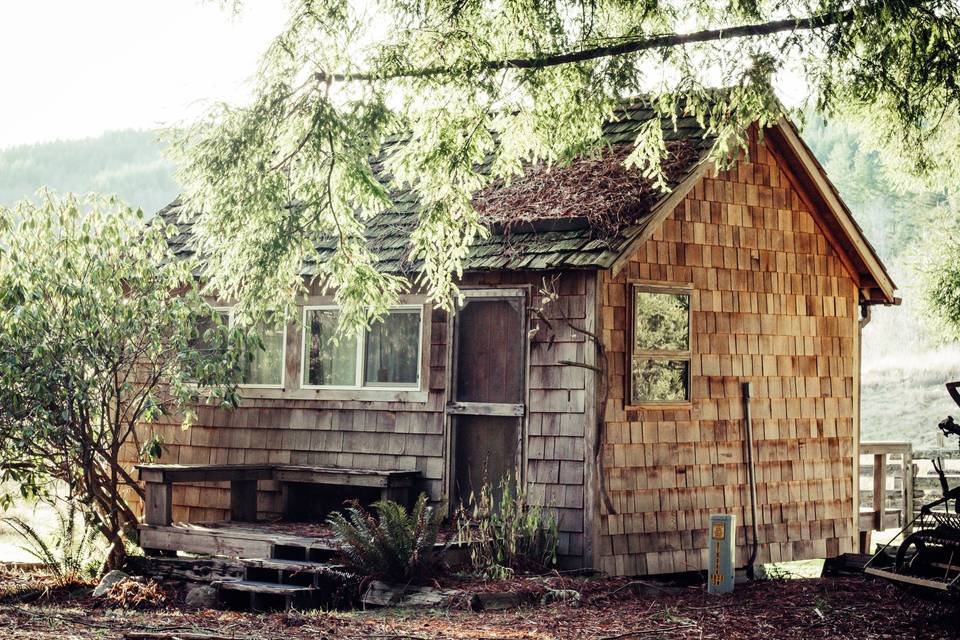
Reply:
x=111, y=578
x=203, y=596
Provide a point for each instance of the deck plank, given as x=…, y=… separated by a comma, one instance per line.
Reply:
x=264, y=587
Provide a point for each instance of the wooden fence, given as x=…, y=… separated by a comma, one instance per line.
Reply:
x=887, y=503
x=895, y=480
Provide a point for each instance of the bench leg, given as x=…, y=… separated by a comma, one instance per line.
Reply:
x=243, y=500
x=865, y=542
x=158, y=503
x=400, y=495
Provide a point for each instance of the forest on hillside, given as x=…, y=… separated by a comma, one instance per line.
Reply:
x=126, y=163
x=906, y=360
x=907, y=357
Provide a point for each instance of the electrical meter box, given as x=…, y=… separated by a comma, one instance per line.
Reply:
x=721, y=537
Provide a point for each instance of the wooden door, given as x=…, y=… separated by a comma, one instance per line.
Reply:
x=488, y=391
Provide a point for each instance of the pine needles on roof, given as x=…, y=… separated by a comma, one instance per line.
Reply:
x=599, y=188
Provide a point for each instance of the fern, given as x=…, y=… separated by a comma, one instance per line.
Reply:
x=394, y=544
x=32, y=542
x=69, y=554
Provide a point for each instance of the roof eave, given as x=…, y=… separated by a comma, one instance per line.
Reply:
x=875, y=284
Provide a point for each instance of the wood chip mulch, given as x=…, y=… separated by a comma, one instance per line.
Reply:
x=843, y=607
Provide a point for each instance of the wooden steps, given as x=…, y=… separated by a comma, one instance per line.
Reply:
x=265, y=596
x=232, y=540
x=270, y=584
x=285, y=565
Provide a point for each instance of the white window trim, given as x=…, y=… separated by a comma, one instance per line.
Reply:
x=283, y=356
x=361, y=352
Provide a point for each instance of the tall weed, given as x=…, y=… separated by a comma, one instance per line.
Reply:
x=506, y=533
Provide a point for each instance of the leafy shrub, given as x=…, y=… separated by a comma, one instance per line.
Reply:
x=394, y=544
x=70, y=555
x=507, y=534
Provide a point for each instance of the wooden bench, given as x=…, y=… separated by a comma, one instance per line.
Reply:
x=243, y=478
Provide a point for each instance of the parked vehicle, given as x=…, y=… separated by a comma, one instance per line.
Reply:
x=929, y=556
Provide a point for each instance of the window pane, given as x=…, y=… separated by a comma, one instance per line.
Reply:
x=327, y=361
x=661, y=321
x=205, y=324
x=660, y=380
x=266, y=367
x=392, y=349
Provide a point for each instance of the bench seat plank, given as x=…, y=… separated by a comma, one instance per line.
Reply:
x=291, y=473
x=243, y=479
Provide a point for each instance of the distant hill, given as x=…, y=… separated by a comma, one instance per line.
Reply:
x=128, y=164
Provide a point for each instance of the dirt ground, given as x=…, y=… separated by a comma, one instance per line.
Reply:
x=843, y=607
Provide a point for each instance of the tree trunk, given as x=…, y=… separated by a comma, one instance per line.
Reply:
x=117, y=556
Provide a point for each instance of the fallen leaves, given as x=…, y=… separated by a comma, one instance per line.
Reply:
x=133, y=594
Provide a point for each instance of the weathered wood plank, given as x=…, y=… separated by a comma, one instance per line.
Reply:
x=384, y=594
x=346, y=477
x=211, y=543
x=158, y=503
x=189, y=569
x=263, y=587
x=485, y=409
x=203, y=472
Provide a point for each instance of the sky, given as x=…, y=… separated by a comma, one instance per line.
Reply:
x=74, y=69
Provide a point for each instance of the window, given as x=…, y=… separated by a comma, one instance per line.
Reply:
x=266, y=368
x=385, y=355
x=327, y=362
x=660, y=366
x=199, y=341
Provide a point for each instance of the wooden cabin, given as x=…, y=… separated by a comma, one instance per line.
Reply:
x=604, y=368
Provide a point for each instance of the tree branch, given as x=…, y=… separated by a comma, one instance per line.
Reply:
x=818, y=21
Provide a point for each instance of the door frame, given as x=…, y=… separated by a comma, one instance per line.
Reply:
x=451, y=408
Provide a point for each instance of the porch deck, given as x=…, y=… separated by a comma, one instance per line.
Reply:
x=281, y=540
x=244, y=536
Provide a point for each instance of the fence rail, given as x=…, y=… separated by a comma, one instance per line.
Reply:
x=894, y=479
x=881, y=517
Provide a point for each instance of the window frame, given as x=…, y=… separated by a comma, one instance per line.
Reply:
x=361, y=355
x=658, y=355
x=283, y=354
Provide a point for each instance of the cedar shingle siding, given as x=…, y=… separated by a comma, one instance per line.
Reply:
x=772, y=304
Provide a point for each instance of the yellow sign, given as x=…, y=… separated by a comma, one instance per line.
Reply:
x=719, y=531
x=717, y=573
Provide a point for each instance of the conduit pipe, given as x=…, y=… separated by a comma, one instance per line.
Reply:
x=864, y=316
x=751, y=476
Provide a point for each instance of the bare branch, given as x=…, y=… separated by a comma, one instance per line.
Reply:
x=809, y=23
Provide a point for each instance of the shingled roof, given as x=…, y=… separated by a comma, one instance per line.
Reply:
x=573, y=216
x=532, y=240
